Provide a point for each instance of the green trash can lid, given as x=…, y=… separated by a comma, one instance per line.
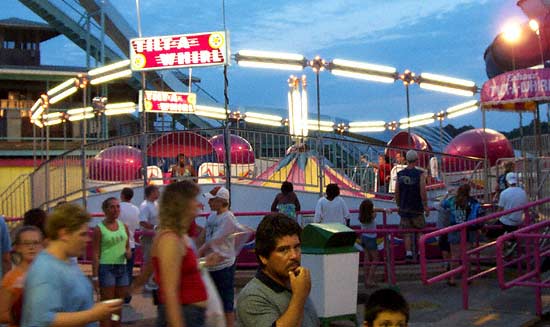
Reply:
x=329, y=238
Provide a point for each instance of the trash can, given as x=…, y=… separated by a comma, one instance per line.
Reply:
x=329, y=253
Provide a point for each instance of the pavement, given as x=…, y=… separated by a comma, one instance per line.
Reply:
x=434, y=305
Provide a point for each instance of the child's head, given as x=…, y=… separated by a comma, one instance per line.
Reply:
x=366, y=211
x=28, y=242
x=332, y=191
x=386, y=307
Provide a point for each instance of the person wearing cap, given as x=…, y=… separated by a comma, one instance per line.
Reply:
x=220, y=224
x=411, y=198
x=512, y=197
x=509, y=167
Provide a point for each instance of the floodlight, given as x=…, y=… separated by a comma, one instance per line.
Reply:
x=273, y=60
x=462, y=109
x=511, y=32
x=108, y=68
x=210, y=112
x=363, y=70
x=68, y=92
x=367, y=126
x=110, y=77
x=447, y=84
x=61, y=87
x=112, y=109
x=326, y=126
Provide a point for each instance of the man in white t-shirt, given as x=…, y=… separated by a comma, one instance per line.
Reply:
x=148, y=220
x=332, y=208
x=219, y=238
x=129, y=215
x=512, y=197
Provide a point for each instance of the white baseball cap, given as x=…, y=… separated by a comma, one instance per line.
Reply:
x=218, y=192
x=511, y=178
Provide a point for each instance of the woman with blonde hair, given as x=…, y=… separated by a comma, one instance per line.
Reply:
x=182, y=293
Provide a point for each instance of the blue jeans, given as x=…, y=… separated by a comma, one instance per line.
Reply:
x=130, y=267
x=224, y=280
x=113, y=275
x=193, y=316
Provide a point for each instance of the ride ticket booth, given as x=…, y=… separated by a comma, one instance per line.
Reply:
x=329, y=253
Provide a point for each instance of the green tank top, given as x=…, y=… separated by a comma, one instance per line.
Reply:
x=113, y=244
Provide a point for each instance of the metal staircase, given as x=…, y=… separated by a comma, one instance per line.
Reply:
x=74, y=31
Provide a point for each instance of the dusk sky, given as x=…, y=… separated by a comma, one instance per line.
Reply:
x=446, y=37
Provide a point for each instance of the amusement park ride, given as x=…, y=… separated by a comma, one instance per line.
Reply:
x=256, y=163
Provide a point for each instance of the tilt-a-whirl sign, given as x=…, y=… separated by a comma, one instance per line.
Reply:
x=168, y=102
x=179, y=51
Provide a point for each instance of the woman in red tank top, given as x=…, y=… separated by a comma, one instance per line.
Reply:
x=182, y=293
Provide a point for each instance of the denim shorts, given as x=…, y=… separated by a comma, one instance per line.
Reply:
x=368, y=243
x=113, y=275
x=192, y=315
x=224, y=279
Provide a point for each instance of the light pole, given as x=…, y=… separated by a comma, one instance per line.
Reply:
x=408, y=78
x=318, y=64
x=143, y=117
x=511, y=34
x=534, y=25
x=440, y=116
x=82, y=82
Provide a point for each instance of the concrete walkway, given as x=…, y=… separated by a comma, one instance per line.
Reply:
x=435, y=305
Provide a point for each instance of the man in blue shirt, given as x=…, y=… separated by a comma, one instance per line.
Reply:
x=5, y=247
x=411, y=199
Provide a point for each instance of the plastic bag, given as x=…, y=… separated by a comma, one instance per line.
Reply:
x=215, y=317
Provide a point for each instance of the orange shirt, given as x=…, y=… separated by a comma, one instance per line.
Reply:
x=13, y=282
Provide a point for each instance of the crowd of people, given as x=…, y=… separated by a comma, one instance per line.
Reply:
x=43, y=285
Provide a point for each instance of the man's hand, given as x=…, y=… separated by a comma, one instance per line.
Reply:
x=300, y=282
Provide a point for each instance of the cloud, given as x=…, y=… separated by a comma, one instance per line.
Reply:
x=309, y=26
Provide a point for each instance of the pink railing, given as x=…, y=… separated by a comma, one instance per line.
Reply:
x=530, y=238
x=465, y=260
x=392, y=255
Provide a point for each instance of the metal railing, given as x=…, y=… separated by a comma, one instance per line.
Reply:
x=535, y=240
x=17, y=199
x=474, y=254
x=257, y=158
x=528, y=143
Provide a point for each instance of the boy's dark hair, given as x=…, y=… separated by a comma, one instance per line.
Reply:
x=287, y=187
x=149, y=190
x=333, y=190
x=107, y=202
x=36, y=217
x=385, y=299
x=273, y=227
x=126, y=194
